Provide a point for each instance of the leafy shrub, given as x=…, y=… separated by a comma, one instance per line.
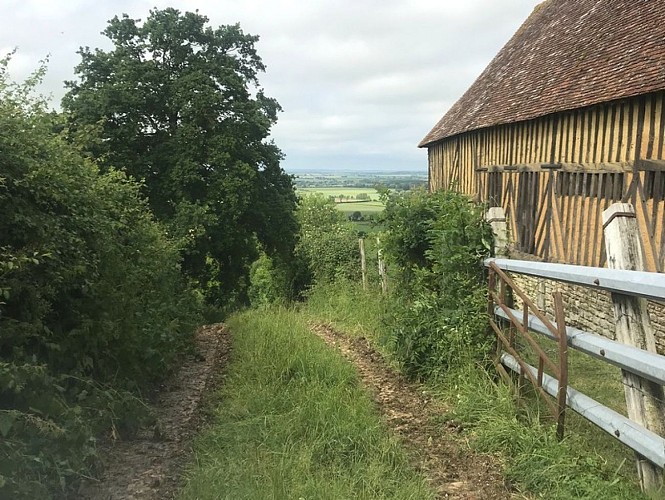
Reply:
x=437, y=242
x=328, y=243
x=268, y=282
x=93, y=301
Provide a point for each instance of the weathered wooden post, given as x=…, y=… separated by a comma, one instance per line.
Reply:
x=382, y=268
x=363, y=265
x=644, y=399
x=497, y=219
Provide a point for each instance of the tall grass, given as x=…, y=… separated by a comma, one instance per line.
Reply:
x=602, y=382
x=535, y=461
x=293, y=422
x=586, y=464
x=346, y=305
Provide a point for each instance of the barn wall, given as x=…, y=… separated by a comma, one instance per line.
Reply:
x=555, y=175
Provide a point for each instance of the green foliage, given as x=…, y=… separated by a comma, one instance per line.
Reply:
x=93, y=301
x=328, y=244
x=436, y=322
x=268, y=282
x=409, y=218
x=356, y=216
x=294, y=422
x=173, y=104
x=437, y=243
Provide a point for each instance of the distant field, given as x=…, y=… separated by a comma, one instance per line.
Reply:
x=364, y=207
x=339, y=191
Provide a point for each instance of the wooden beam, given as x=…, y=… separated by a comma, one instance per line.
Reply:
x=650, y=165
x=616, y=167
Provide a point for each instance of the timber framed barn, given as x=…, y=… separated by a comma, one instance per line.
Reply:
x=567, y=119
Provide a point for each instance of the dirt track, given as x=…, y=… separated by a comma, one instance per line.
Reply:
x=434, y=446
x=150, y=466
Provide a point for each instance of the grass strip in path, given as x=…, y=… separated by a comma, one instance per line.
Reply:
x=420, y=421
x=292, y=421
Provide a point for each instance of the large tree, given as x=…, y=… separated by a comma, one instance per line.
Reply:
x=177, y=104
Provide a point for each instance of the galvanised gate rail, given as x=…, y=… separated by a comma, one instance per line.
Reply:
x=642, y=363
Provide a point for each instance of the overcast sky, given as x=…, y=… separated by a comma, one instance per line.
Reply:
x=361, y=82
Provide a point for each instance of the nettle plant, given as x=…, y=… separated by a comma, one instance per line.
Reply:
x=437, y=242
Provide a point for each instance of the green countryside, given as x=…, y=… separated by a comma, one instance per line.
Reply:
x=183, y=317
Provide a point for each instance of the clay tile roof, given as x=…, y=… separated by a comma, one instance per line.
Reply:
x=568, y=54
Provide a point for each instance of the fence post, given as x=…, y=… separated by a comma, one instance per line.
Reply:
x=363, y=265
x=644, y=399
x=497, y=219
x=562, y=341
x=382, y=268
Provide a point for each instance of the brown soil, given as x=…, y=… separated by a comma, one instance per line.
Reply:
x=433, y=443
x=150, y=465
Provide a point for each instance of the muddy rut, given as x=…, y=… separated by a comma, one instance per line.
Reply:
x=434, y=446
x=150, y=466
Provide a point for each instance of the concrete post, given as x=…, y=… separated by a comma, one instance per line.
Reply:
x=497, y=219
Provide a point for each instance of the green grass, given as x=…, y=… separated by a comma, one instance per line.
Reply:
x=368, y=227
x=348, y=307
x=600, y=381
x=293, y=422
x=364, y=207
x=588, y=463
x=535, y=461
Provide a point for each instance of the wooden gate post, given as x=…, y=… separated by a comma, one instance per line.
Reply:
x=363, y=265
x=644, y=399
x=497, y=219
x=382, y=268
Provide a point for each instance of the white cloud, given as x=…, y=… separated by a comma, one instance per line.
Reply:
x=360, y=82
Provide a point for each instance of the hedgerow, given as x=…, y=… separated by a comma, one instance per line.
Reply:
x=436, y=243
x=327, y=242
x=93, y=305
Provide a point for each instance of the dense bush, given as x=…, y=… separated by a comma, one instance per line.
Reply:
x=328, y=243
x=269, y=282
x=437, y=242
x=93, y=300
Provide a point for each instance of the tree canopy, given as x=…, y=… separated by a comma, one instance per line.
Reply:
x=177, y=104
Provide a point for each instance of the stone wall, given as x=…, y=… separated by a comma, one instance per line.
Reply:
x=587, y=309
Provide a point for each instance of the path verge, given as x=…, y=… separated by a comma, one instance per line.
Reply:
x=149, y=466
